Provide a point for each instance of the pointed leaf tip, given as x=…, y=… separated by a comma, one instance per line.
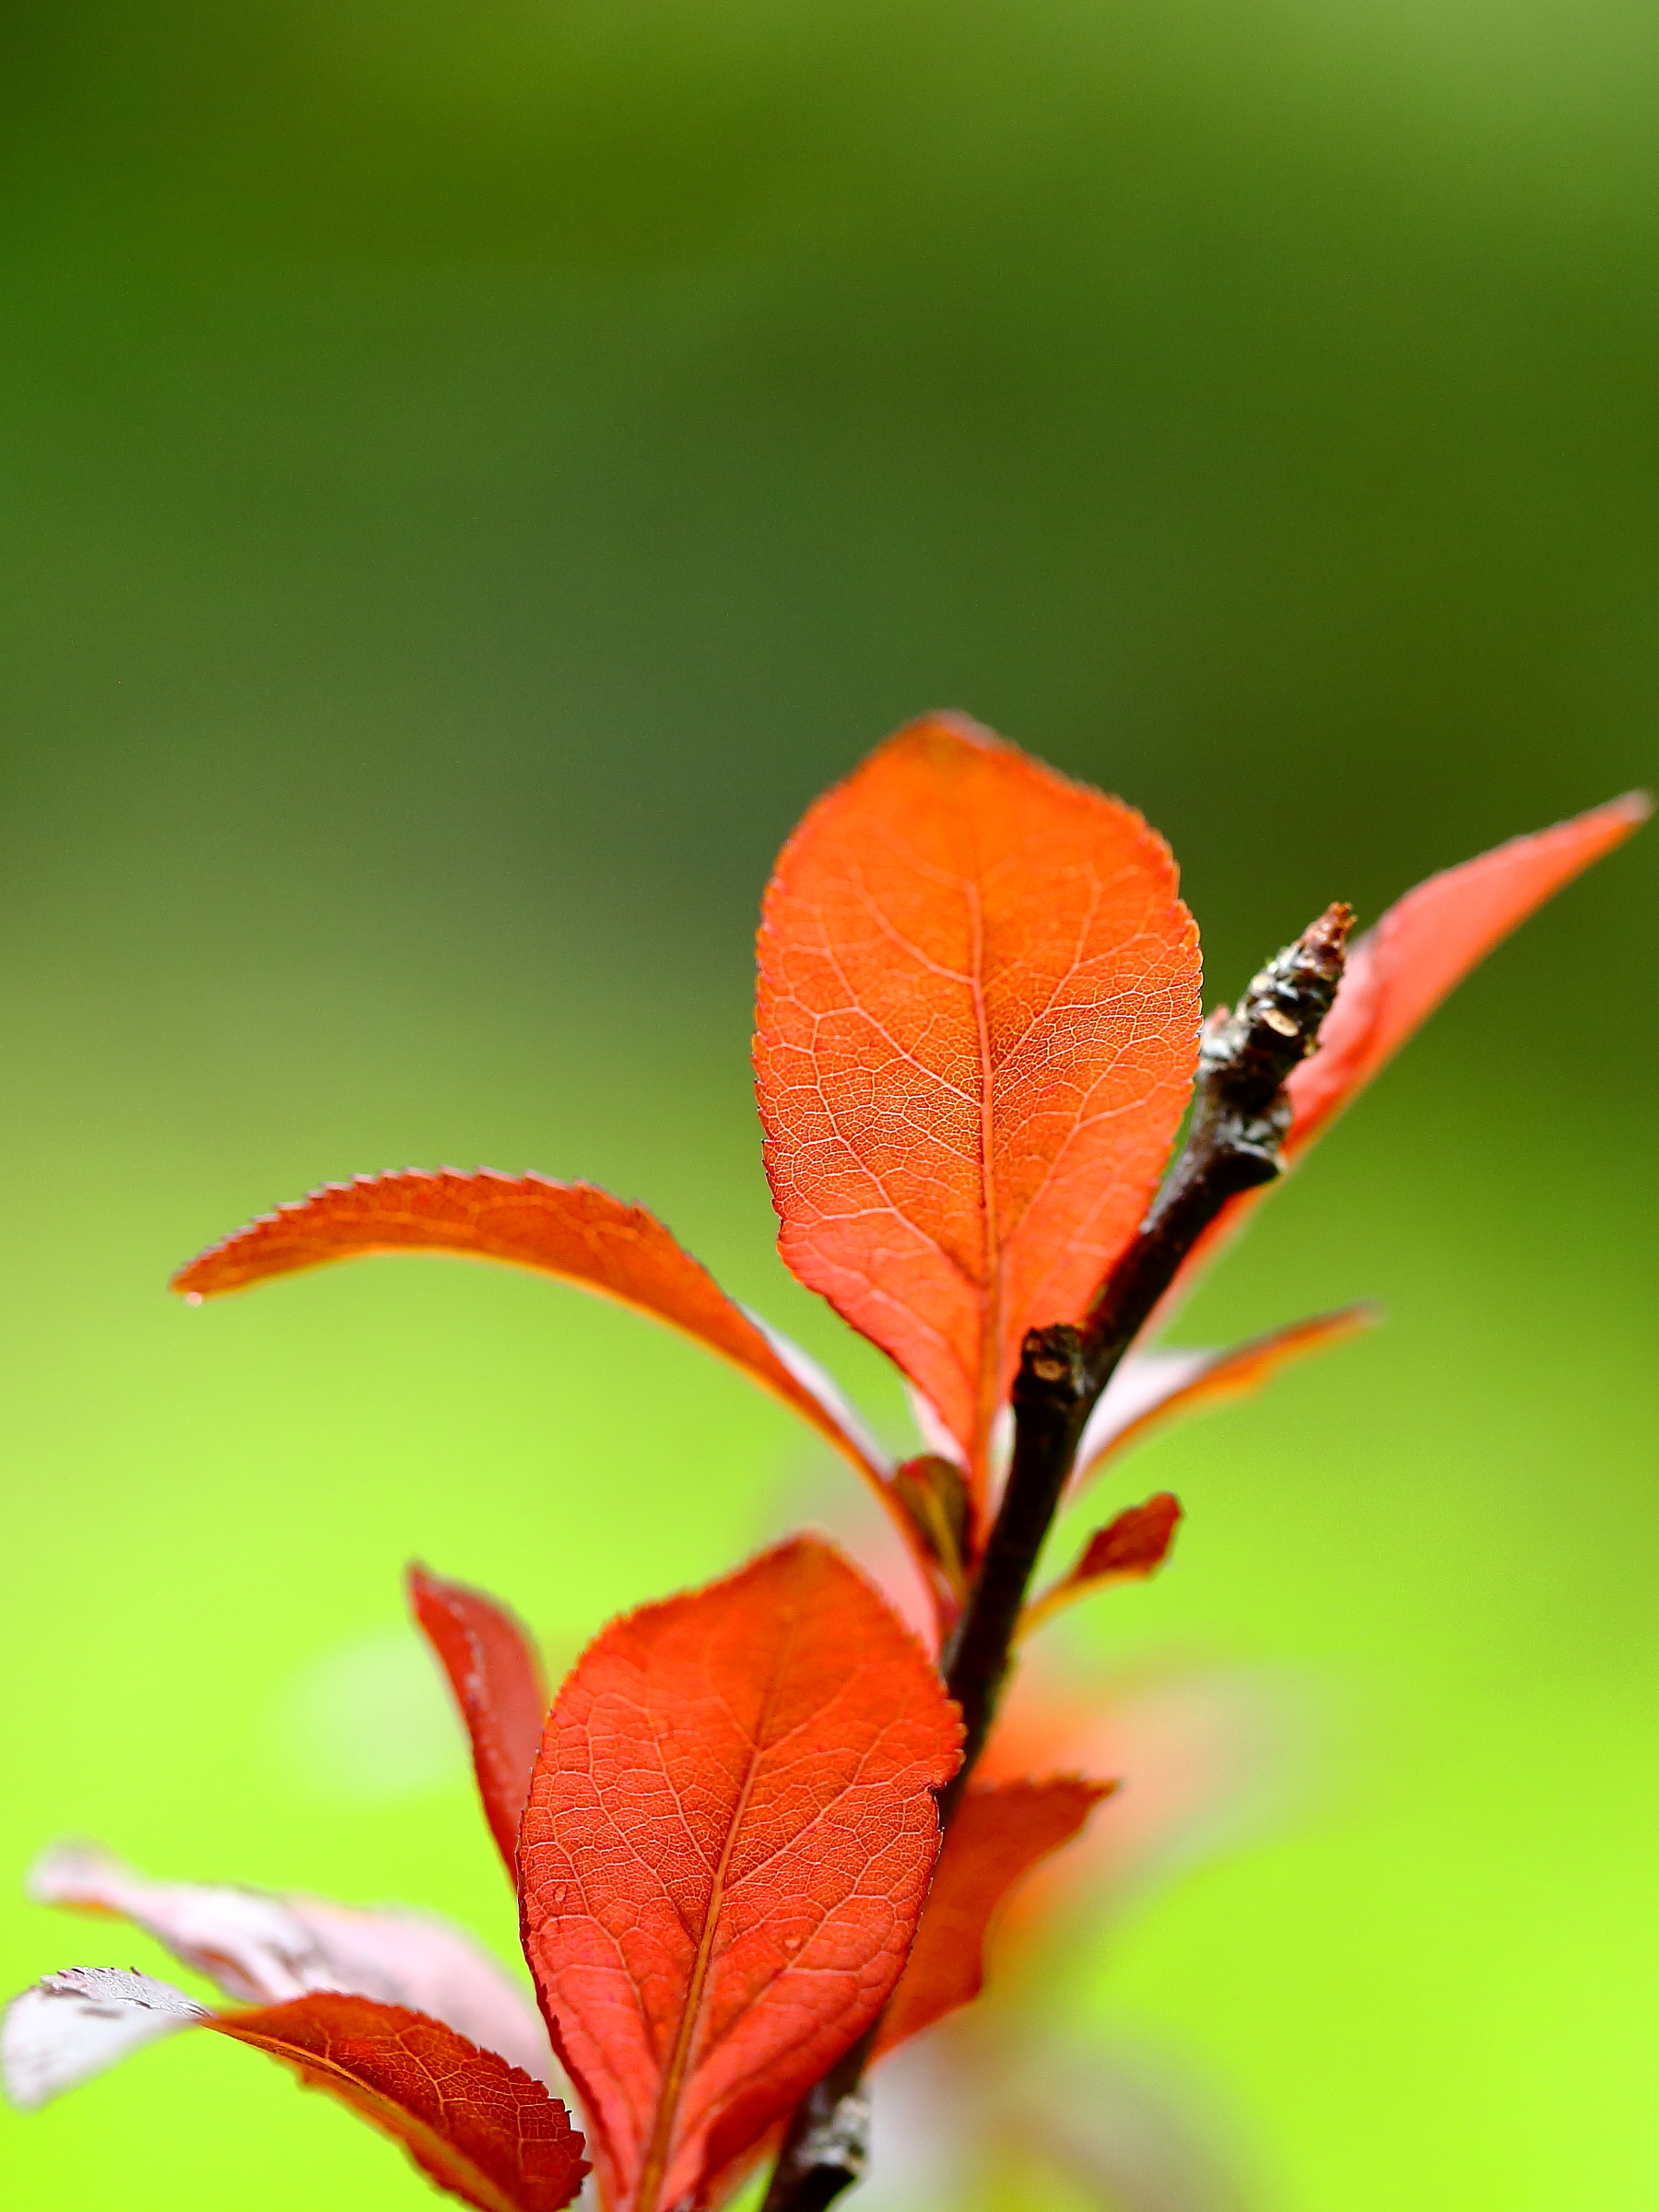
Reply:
x=729, y=1837
x=975, y=1036
x=75, y=2025
x=1133, y=1546
x=1128, y=1549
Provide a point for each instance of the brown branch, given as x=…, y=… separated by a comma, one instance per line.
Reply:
x=1239, y=1118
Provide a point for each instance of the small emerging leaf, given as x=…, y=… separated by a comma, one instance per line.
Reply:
x=1126, y=1551
x=1134, y=1545
x=568, y=1229
x=933, y=1492
x=997, y=1837
x=495, y=1672
x=975, y=1036
x=728, y=1840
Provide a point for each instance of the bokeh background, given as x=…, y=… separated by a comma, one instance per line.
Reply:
x=471, y=473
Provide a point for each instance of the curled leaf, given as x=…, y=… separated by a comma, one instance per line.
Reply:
x=998, y=1836
x=568, y=1229
x=975, y=1036
x=262, y=1950
x=728, y=1840
x=476, y=2127
x=73, y=2026
x=495, y=1672
x=1152, y=1389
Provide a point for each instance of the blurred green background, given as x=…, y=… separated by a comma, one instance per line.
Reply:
x=471, y=473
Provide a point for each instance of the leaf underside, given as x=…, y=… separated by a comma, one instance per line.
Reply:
x=475, y=2125
x=258, y=1948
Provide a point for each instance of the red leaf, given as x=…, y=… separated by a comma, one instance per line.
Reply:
x=474, y=2124
x=1153, y=1388
x=1133, y=1546
x=997, y=1837
x=728, y=1840
x=976, y=1033
x=1127, y=1549
x=1398, y=972
x=495, y=1671
x=568, y=1229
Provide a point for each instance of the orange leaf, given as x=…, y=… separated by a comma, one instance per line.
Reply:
x=997, y=1837
x=976, y=1032
x=1398, y=972
x=728, y=1840
x=1152, y=1389
x=568, y=1229
x=495, y=1671
x=474, y=2124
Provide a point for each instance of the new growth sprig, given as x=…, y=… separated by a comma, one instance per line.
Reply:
x=748, y=1838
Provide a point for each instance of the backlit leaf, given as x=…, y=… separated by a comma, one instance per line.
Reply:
x=495, y=1672
x=568, y=1229
x=729, y=1837
x=976, y=1032
x=998, y=1835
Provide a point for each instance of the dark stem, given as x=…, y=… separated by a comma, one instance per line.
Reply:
x=1051, y=1397
x=1240, y=1116
x=1233, y=1143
